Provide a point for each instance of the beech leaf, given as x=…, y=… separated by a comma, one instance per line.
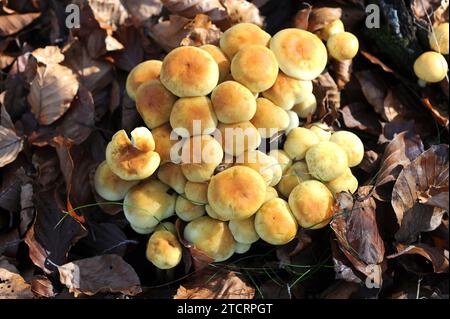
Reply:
x=10, y=145
x=13, y=23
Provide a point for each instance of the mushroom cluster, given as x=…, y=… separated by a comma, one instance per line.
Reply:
x=209, y=113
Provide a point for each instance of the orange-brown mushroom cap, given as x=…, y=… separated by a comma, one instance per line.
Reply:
x=110, y=186
x=148, y=70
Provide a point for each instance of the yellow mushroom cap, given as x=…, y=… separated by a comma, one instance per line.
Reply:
x=220, y=58
x=337, y=26
x=294, y=121
x=264, y=164
x=187, y=210
x=282, y=158
x=172, y=175
x=241, y=34
x=344, y=183
x=163, y=143
x=167, y=226
x=243, y=230
x=351, y=144
x=439, y=39
x=110, y=186
x=275, y=223
x=200, y=155
x=132, y=159
x=164, y=250
x=193, y=116
x=242, y=248
x=300, y=54
x=148, y=203
x=298, y=141
x=431, y=67
x=269, y=118
x=306, y=107
x=312, y=204
x=142, y=230
x=237, y=138
x=196, y=192
x=271, y=193
x=294, y=175
x=326, y=161
x=233, y=102
x=288, y=91
x=188, y=71
x=255, y=66
x=236, y=193
x=211, y=236
x=154, y=103
x=148, y=70
x=322, y=130
x=343, y=46
x=212, y=213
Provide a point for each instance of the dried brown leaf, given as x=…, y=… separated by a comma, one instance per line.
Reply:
x=10, y=145
x=48, y=55
x=142, y=10
x=13, y=23
x=5, y=119
x=41, y=286
x=320, y=17
x=420, y=194
x=12, y=285
x=106, y=273
x=27, y=209
x=179, y=31
x=328, y=97
x=51, y=92
x=358, y=116
x=190, y=8
x=242, y=11
x=220, y=285
x=110, y=14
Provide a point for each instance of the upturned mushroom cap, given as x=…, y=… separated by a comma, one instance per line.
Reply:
x=337, y=26
x=196, y=192
x=298, y=141
x=110, y=186
x=265, y=165
x=306, y=107
x=300, y=54
x=167, y=226
x=200, y=155
x=133, y=159
x=243, y=230
x=295, y=174
x=351, y=144
x=154, y=103
x=288, y=91
x=271, y=193
x=188, y=71
x=431, y=67
x=275, y=223
x=211, y=236
x=233, y=102
x=148, y=203
x=193, y=116
x=282, y=158
x=241, y=34
x=220, y=58
x=255, y=66
x=439, y=38
x=344, y=183
x=242, y=248
x=236, y=193
x=238, y=137
x=322, y=130
x=172, y=175
x=343, y=46
x=269, y=118
x=187, y=210
x=312, y=204
x=326, y=161
x=163, y=143
x=164, y=250
x=145, y=71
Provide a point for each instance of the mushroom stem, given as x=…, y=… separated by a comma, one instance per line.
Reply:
x=422, y=83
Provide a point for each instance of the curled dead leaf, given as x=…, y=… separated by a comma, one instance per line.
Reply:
x=10, y=145
x=51, y=92
x=106, y=273
x=12, y=284
x=420, y=194
x=328, y=97
x=190, y=8
x=13, y=23
x=48, y=55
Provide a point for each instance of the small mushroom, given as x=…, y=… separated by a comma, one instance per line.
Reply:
x=243, y=230
x=298, y=141
x=187, y=210
x=312, y=204
x=241, y=248
x=196, y=192
x=256, y=67
x=148, y=70
x=351, y=144
x=212, y=213
x=269, y=118
x=326, y=161
x=220, y=58
x=163, y=142
x=430, y=67
x=275, y=223
x=335, y=27
x=239, y=137
x=344, y=183
x=236, y=193
x=264, y=164
x=322, y=130
x=172, y=175
x=300, y=54
x=282, y=158
x=110, y=186
x=439, y=39
x=306, y=107
x=211, y=236
x=343, y=46
x=188, y=71
x=294, y=121
x=295, y=174
x=271, y=193
x=133, y=159
x=163, y=249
